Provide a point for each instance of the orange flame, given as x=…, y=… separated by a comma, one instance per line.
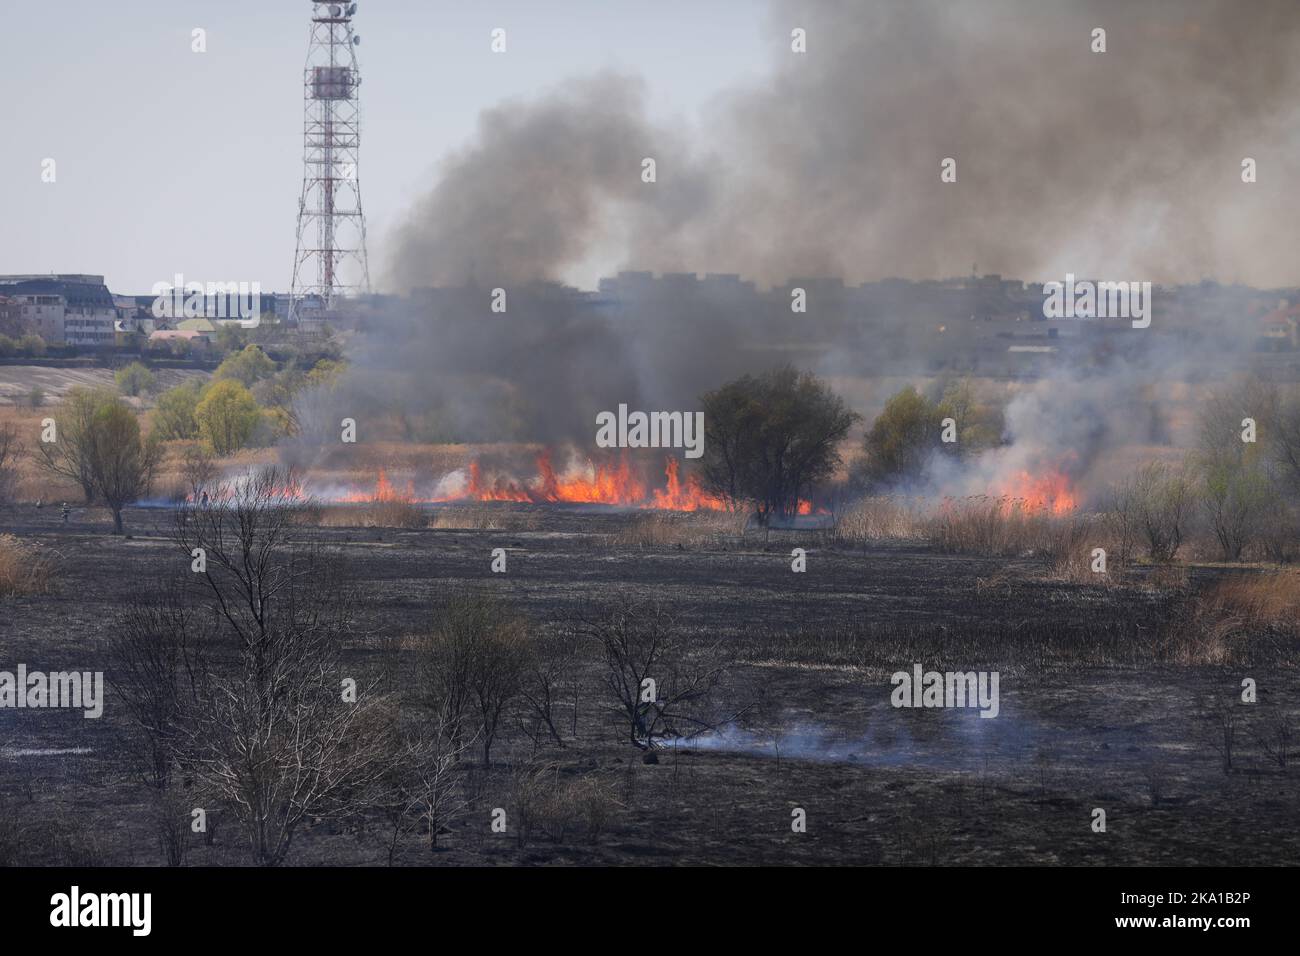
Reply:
x=1048, y=491
x=610, y=483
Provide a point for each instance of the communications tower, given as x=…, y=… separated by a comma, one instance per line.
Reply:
x=330, y=262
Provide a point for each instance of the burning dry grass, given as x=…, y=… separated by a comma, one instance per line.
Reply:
x=691, y=529
x=983, y=525
x=1012, y=527
x=24, y=568
x=989, y=526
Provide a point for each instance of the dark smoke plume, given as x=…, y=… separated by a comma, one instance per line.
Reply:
x=1123, y=165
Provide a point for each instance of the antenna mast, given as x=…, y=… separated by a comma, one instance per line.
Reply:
x=330, y=262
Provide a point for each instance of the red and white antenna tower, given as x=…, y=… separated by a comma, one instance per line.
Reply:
x=330, y=261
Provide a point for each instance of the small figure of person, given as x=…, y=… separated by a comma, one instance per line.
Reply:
x=66, y=511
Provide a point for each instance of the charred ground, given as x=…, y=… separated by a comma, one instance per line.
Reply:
x=1096, y=710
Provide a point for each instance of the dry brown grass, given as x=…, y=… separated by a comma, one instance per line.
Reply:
x=1260, y=600
x=1239, y=619
x=1010, y=527
x=402, y=512
x=552, y=805
x=669, y=529
x=880, y=519
x=26, y=481
x=391, y=513
x=24, y=568
x=483, y=518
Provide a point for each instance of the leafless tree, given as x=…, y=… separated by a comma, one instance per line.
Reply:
x=433, y=789
x=272, y=731
x=1164, y=505
x=1120, y=518
x=657, y=680
x=156, y=663
x=1276, y=736
x=553, y=661
x=172, y=821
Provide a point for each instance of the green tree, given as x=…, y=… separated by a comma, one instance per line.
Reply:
x=230, y=337
x=902, y=439
x=227, y=416
x=769, y=438
x=978, y=426
x=174, y=418
x=135, y=379
x=69, y=455
x=1240, y=482
x=247, y=366
x=32, y=345
x=122, y=462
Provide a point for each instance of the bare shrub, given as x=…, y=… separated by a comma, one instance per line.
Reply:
x=595, y=802
x=553, y=660
x=1120, y=519
x=25, y=568
x=172, y=823
x=155, y=670
x=1279, y=539
x=423, y=787
x=661, y=683
x=548, y=803
x=58, y=839
x=1275, y=735
x=1164, y=502
x=472, y=663
x=268, y=729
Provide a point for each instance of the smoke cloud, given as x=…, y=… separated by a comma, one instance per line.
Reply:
x=1124, y=164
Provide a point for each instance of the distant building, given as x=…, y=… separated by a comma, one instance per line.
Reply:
x=198, y=342
x=206, y=326
x=11, y=318
x=1279, y=330
x=65, y=309
x=134, y=315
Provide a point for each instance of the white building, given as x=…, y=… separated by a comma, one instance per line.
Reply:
x=65, y=309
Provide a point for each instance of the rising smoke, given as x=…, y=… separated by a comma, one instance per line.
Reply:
x=1124, y=165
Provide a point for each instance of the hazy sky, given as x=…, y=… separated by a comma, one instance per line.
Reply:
x=170, y=161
